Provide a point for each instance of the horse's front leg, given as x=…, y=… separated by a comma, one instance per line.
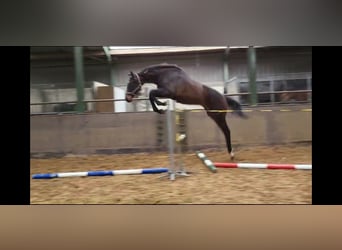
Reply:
x=153, y=99
x=160, y=103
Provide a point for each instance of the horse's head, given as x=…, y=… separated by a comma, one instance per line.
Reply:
x=133, y=86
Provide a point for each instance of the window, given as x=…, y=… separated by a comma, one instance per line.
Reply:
x=293, y=85
x=262, y=86
x=278, y=85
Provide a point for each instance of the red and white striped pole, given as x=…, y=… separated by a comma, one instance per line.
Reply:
x=263, y=165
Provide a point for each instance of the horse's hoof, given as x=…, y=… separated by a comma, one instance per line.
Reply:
x=232, y=156
x=160, y=111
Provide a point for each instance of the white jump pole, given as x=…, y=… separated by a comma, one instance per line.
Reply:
x=171, y=138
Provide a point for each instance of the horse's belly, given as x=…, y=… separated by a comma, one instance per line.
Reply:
x=189, y=100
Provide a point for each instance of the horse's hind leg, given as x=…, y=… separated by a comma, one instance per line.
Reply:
x=220, y=120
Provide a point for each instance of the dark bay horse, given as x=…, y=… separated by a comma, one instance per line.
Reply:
x=172, y=82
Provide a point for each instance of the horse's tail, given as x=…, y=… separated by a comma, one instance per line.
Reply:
x=236, y=106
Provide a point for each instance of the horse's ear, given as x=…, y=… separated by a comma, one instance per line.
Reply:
x=131, y=73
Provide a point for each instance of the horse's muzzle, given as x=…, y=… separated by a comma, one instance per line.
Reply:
x=129, y=98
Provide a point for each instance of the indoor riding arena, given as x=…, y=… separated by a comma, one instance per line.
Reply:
x=227, y=186
x=113, y=152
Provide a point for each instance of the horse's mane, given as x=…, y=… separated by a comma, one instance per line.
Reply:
x=161, y=66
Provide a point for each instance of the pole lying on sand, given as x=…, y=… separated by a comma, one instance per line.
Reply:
x=101, y=173
x=208, y=163
x=263, y=165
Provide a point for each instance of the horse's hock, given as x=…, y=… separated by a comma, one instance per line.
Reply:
x=146, y=131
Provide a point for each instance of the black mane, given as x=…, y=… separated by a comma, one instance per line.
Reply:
x=159, y=67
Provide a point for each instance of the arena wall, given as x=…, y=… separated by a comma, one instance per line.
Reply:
x=98, y=133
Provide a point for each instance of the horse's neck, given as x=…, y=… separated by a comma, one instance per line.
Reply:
x=151, y=79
